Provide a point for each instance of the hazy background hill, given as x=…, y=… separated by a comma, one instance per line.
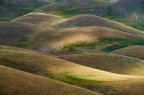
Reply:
x=129, y=12
x=10, y=9
x=129, y=7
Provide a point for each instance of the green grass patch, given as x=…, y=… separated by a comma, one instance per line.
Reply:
x=61, y=11
x=1, y=47
x=72, y=79
x=138, y=24
x=77, y=79
x=24, y=41
x=55, y=0
x=72, y=46
x=67, y=14
x=116, y=44
x=80, y=44
x=8, y=18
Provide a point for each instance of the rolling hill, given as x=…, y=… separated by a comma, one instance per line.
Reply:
x=16, y=82
x=68, y=38
x=92, y=20
x=15, y=34
x=133, y=51
x=129, y=12
x=94, y=79
x=40, y=19
x=49, y=20
x=45, y=40
x=108, y=62
x=71, y=47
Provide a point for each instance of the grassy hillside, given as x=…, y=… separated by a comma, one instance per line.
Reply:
x=15, y=82
x=92, y=20
x=133, y=51
x=40, y=19
x=72, y=73
x=83, y=36
x=17, y=34
x=108, y=62
x=49, y=20
x=34, y=37
x=68, y=47
x=129, y=12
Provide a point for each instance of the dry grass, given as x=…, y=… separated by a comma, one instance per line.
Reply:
x=40, y=19
x=12, y=32
x=34, y=37
x=133, y=51
x=109, y=62
x=27, y=72
x=92, y=20
x=13, y=48
x=31, y=36
x=94, y=48
x=15, y=82
x=58, y=38
x=72, y=73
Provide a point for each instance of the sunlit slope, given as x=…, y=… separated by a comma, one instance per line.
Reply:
x=133, y=51
x=62, y=70
x=13, y=48
x=34, y=37
x=41, y=19
x=109, y=62
x=15, y=82
x=92, y=20
x=60, y=38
